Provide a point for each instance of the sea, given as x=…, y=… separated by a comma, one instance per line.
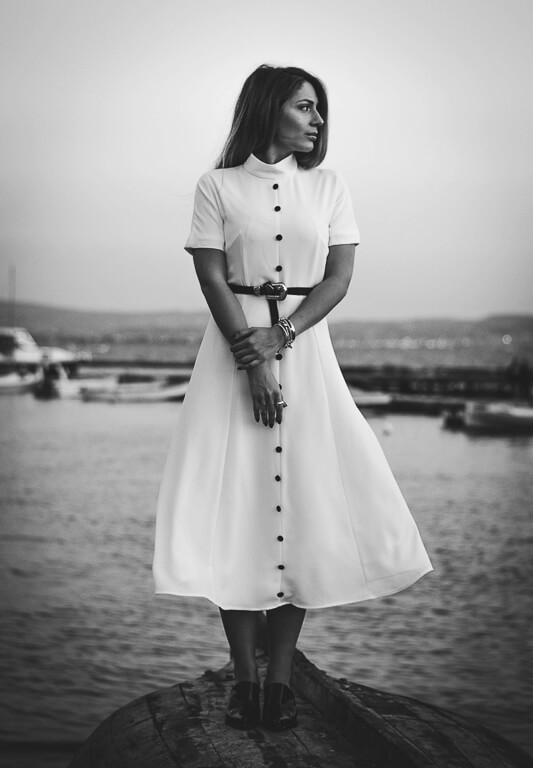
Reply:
x=81, y=632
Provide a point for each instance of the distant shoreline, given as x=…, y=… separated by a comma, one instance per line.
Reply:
x=175, y=336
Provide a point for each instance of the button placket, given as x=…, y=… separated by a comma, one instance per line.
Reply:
x=278, y=235
x=278, y=449
x=280, y=537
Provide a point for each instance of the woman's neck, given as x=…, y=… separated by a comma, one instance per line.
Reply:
x=272, y=154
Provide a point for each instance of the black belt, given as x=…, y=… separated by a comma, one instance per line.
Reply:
x=273, y=292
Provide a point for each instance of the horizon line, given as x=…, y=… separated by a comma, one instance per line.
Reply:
x=86, y=310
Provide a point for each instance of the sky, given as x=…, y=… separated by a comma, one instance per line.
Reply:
x=110, y=110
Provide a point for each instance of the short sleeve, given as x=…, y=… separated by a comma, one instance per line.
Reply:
x=342, y=226
x=207, y=228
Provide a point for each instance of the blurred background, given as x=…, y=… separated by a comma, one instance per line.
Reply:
x=110, y=112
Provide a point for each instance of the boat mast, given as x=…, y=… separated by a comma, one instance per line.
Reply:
x=12, y=297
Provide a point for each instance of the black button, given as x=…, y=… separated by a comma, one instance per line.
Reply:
x=278, y=449
x=278, y=478
x=278, y=508
x=279, y=268
x=279, y=356
x=280, y=594
x=275, y=186
x=281, y=567
x=277, y=208
x=279, y=237
x=280, y=386
x=280, y=538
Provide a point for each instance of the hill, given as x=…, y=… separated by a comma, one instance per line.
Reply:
x=48, y=323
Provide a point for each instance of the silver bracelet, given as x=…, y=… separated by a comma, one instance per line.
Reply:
x=288, y=329
x=286, y=336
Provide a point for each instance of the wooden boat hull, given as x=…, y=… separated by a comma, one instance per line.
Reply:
x=340, y=724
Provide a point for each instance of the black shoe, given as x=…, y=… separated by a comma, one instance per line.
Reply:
x=279, y=707
x=243, y=706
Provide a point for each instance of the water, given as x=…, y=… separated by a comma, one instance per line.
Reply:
x=82, y=633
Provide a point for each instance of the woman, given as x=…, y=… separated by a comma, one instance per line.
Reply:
x=276, y=494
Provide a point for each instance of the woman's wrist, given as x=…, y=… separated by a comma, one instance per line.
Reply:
x=279, y=336
x=256, y=368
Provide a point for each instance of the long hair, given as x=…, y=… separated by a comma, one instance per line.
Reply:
x=258, y=110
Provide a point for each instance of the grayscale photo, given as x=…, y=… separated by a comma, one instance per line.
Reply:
x=266, y=384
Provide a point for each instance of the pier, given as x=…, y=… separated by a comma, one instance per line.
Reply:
x=341, y=725
x=430, y=390
x=451, y=381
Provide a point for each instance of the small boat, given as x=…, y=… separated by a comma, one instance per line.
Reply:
x=158, y=391
x=18, y=347
x=18, y=381
x=56, y=384
x=364, y=399
x=24, y=364
x=498, y=418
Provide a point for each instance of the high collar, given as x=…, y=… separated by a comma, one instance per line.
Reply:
x=257, y=167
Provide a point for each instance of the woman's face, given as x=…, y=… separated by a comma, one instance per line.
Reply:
x=299, y=122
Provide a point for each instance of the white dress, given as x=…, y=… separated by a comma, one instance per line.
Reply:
x=307, y=512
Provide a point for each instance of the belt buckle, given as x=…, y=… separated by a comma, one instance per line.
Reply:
x=279, y=291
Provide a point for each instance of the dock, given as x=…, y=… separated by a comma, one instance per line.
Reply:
x=455, y=382
x=341, y=725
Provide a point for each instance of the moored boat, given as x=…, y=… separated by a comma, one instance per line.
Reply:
x=498, y=418
x=365, y=399
x=58, y=385
x=19, y=348
x=15, y=382
x=135, y=392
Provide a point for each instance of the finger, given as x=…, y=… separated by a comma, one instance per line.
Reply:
x=238, y=335
x=238, y=346
x=256, y=410
x=250, y=358
x=245, y=356
x=271, y=412
x=264, y=412
x=279, y=411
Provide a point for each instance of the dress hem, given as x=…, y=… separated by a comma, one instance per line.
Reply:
x=279, y=603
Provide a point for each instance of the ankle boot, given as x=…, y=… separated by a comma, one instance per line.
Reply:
x=242, y=711
x=279, y=707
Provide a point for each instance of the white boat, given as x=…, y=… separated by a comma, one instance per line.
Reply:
x=59, y=385
x=364, y=399
x=14, y=382
x=18, y=347
x=498, y=418
x=135, y=392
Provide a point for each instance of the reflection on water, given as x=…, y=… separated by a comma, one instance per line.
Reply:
x=83, y=634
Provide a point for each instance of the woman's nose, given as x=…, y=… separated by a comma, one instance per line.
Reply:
x=317, y=119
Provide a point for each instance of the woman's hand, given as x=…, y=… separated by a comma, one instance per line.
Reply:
x=267, y=399
x=253, y=346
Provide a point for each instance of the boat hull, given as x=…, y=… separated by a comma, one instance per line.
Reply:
x=135, y=393
x=498, y=418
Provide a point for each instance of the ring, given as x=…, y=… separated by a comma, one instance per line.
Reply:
x=282, y=403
